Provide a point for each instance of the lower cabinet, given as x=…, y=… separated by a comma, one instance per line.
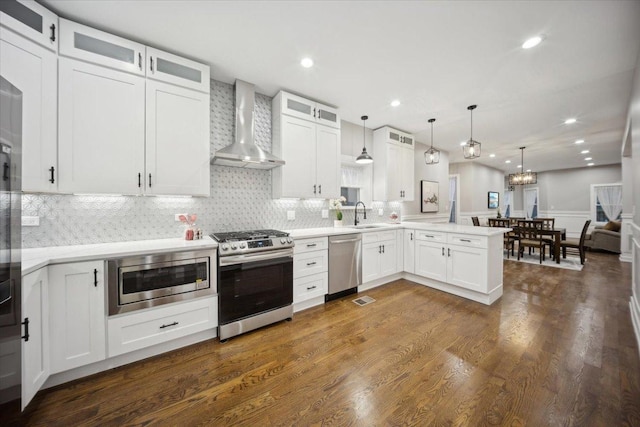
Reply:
x=310, y=271
x=77, y=314
x=129, y=332
x=379, y=255
x=35, y=351
x=409, y=251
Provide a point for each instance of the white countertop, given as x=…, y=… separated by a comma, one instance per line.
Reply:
x=33, y=259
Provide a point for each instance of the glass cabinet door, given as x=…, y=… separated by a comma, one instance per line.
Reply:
x=31, y=20
x=179, y=71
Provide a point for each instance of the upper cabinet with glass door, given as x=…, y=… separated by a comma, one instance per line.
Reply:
x=95, y=46
x=176, y=70
x=31, y=20
x=297, y=106
x=397, y=137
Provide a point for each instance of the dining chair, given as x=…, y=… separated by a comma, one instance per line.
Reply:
x=529, y=237
x=576, y=244
x=475, y=221
x=514, y=220
x=509, y=238
x=548, y=224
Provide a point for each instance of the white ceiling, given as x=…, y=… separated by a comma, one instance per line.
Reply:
x=435, y=57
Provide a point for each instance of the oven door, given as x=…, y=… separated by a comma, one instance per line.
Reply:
x=255, y=283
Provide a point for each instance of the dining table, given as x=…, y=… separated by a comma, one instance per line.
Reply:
x=558, y=235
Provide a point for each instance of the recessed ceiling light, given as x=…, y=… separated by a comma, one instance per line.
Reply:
x=395, y=103
x=570, y=121
x=584, y=151
x=588, y=158
x=463, y=143
x=492, y=155
x=532, y=42
x=528, y=170
x=306, y=62
x=579, y=141
x=519, y=166
x=590, y=164
x=507, y=161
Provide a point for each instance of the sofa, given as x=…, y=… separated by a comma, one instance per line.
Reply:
x=605, y=237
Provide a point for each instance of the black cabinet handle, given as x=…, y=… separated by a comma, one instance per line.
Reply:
x=151, y=63
x=449, y=251
x=311, y=263
x=442, y=251
x=382, y=248
x=465, y=240
x=140, y=60
x=95, y=277
x=169, y=325
x=314, y=189
x=312, y=245
x=52, y=179
x=139, y=180
x=320, y=189
x=53, y=32
x=149, y=180
x=411, y=236
x=314, y=112
x=379, y=249
x=311, y=287
x=26, y=329
x=5, y=171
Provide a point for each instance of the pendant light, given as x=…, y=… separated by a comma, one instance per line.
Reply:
x=432, y=156
x=523, y=178
x=471, y=149
x=364, y=158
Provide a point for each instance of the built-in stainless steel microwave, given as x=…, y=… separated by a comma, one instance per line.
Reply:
x=140, y=282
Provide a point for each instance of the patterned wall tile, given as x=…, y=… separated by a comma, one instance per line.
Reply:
x=240, y=198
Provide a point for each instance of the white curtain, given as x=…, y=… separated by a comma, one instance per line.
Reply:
x=452, y=199
x=610, y=198
x=508, y=200
x=531, y=200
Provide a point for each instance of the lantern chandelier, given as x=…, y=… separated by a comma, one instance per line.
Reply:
x=471, y=149
x=522, y=177
x=432, y=156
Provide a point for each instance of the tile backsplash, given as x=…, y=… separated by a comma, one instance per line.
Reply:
x=240, y=198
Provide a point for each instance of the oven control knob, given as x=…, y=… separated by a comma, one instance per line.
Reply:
x=225, y=247
x=283, y=240
x=289, y=240
x=243, y=245
x=233, y=246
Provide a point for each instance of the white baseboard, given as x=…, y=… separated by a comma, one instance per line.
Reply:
x=635, y=317
x=379, y=282
x=303, y=305
x=486, y=299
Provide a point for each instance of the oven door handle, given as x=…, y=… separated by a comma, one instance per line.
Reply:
x=244, y=259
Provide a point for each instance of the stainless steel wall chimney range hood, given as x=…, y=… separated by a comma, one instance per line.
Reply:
x=244, y=153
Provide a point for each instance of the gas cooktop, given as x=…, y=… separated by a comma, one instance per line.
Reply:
x=246, y=242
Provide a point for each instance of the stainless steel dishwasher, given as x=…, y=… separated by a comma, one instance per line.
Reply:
x=345, y=265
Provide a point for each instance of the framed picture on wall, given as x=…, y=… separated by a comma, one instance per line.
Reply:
x=429, y=196
x=493, y=200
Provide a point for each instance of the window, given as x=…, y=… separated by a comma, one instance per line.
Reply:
x=508, y=201
x=606, y=202
x=352, y=194
x=531, y=202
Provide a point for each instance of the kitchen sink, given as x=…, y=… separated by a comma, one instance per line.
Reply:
x=368, y=226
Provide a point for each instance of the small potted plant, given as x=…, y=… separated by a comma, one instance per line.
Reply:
x=337, y=205
x=190, y=222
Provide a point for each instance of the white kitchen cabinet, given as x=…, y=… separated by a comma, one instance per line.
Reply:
x=33, y=70
x=297, y=106
x=409, y=251
x=173, y=69
x=393, y=168
x=31, y=20
x=102, y=129
x=310, y=272
x=312, y=156
x=77, y=314
x=98, y=47
x=35, y=351
x=177, y=140
x=431, y=260
x=144, y=328
x=379, y=255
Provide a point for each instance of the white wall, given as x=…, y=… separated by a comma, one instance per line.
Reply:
x=438, y=173
x=476, y=180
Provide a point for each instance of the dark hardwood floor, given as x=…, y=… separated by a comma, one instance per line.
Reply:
x=557, y=349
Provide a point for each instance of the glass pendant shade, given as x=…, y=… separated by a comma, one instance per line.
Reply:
x=431, y=156
x=364, y=158
x=472, y=149
x=523, y=178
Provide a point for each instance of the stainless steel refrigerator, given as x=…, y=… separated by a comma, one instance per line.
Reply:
x=12, y=326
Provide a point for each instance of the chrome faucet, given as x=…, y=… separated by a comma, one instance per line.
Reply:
x=364, y=211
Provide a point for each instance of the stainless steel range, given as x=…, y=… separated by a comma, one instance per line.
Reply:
x=255, y=280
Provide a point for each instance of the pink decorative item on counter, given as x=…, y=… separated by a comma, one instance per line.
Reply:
x=190, y=221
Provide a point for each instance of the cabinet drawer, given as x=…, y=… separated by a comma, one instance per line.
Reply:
x=149, y=327
x=380, y=236
x=430, y=236
x=466, y=240
x=309, y=263
x=309, y=287
x=308, y=245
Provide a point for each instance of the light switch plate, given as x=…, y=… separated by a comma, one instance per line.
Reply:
x=30, y=221
x=291, y=215
x=380, y=212
x=325, y=213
